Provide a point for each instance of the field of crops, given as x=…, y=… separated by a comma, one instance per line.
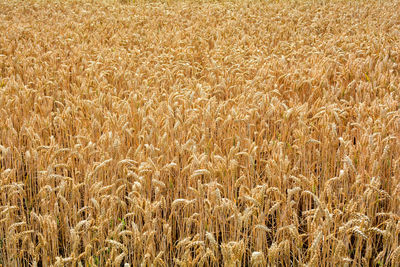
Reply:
x=186, y=133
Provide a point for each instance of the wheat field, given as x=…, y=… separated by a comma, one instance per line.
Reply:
x=187, y=133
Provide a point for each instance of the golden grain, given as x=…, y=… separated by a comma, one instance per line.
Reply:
x=184, y=133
